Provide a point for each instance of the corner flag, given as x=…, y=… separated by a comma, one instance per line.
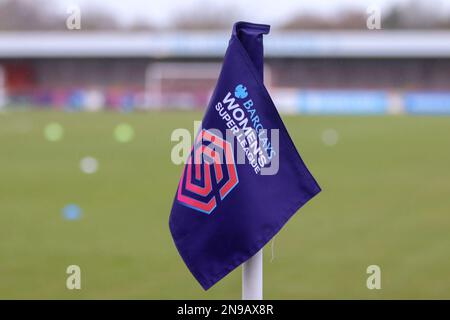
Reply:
x=244, y=178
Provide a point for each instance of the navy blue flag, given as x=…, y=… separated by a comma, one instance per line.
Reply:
x=244, y=178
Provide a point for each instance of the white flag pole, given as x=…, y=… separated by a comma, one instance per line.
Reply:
x=252, y=277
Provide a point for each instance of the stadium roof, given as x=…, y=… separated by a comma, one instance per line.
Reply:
x=73, y=44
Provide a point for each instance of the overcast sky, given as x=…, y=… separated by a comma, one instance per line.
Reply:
x=162, y=12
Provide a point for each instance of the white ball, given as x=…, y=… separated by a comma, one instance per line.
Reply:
x=89, y=165
x=330, y=137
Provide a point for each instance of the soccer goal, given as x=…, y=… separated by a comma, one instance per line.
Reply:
x=180, y=85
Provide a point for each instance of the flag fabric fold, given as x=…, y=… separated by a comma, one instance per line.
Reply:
x=244, y=178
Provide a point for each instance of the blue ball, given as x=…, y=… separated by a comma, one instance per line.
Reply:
x=71, y=212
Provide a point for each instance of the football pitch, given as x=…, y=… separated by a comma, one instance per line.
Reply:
x=385, y=202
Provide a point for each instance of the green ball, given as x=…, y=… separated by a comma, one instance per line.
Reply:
x=53, y=132
x=124, y=133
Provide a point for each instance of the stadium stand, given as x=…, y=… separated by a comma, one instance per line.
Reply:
x=364, y=72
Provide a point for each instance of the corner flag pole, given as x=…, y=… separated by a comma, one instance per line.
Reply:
x=252, y=277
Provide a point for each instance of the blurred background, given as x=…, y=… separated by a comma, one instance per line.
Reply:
x=90, y=92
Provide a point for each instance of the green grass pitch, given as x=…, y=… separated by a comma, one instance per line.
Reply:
x=385, y=201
